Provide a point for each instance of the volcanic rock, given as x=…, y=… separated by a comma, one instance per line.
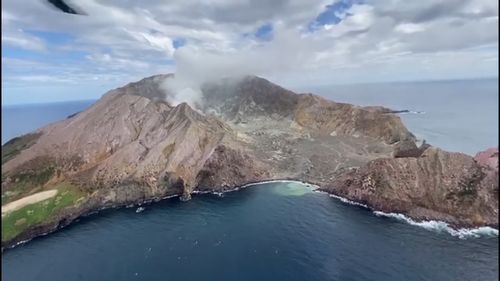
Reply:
x=132, y=147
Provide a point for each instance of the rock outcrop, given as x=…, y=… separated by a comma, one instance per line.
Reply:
x=132, y=146
x=441, y=185
x=488, y=159
x=408, y=148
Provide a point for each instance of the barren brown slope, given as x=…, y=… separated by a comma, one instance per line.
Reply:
x=251, y=97
x=129, y=147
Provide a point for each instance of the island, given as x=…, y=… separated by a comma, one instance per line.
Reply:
x=132, y=147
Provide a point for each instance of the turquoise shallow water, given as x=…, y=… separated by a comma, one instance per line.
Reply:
x=273, y=231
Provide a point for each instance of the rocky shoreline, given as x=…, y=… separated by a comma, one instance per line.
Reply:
x=132, y=147
x=47, y=229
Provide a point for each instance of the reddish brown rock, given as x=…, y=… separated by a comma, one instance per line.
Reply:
x=488, y=158
x=439, y=185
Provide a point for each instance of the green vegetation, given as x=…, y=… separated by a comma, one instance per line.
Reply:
x=26, y=182
x=38, y=177
x=16, y=145
x=9, y=196
x=17, y=221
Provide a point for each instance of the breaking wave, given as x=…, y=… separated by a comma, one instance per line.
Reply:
x=441, y=226
x=432, y=225
x=347, y=201
x=221, y=193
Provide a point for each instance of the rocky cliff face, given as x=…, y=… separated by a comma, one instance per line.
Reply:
x=131, y=146
x=452, y=187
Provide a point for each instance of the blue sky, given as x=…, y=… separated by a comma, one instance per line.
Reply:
x=265, y=32
x=50, y=56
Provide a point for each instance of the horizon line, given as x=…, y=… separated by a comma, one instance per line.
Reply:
x=320, y=85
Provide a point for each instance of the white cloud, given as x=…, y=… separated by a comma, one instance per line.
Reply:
x=22, y=40
x=409, y=28
x=116, y=63
x=123, y=39
x=161, y=43
x=42, y=78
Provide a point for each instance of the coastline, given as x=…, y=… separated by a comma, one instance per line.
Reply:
x=359, y=155
x=430, y=225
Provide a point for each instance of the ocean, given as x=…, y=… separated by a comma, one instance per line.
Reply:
x=459, y=116
x=21, y=119
x=275, y=231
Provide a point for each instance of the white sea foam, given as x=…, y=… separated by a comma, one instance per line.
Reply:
x=321, y=192
x=140, y=209
x=201, y=192
x=347, y=201
x=282, y=181
x=220, y=193
x=432, y=225
x=441, y=226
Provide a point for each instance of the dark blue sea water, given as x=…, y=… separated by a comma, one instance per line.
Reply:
x=22, y=119
x=276, y=231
